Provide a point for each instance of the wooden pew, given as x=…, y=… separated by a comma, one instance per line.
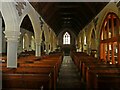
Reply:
x=83, y=62
x=97, y=74
x=103, y=79
x=28, y=65
x=32, y=72
x=86, y=65
x=51, y=62
x=26, y=81
x=79, y=58
x=99, y=67
x=46, y=66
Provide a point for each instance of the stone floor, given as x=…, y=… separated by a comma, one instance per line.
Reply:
x=69, y=78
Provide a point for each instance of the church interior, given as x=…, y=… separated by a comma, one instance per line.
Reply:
x=59, y=45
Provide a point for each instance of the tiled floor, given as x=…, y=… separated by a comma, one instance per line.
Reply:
x=69, y=78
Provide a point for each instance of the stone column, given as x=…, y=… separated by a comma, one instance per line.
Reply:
x=0, y=45
x=38, y=50
x=47, y=47
x=0, y=33
x=12, y=44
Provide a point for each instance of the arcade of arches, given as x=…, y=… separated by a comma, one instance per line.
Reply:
x=39, y=54
x=100, y=38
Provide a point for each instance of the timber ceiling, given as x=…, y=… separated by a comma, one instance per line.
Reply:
x=72, y=15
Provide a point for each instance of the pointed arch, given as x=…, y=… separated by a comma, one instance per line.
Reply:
x=3, y=44
x=27, y=24
x=109, y=39
x=34, y=19
x=66, y=38
x=10, y=16
x=93, y=37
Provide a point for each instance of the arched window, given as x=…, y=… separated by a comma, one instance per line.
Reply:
x=66, y=38
x=85, y=40
x=23, y=43
x=33, y=43
x=109, y=39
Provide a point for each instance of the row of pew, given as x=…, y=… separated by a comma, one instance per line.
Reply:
x=96, y=74
x=32, y=73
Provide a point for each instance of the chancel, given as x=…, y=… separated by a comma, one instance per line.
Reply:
x=60, y=45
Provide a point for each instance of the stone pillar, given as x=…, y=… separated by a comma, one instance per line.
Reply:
x=0, y=46
x=47, y=47
x=38, y=50
x=12, y=44
x=0, y=35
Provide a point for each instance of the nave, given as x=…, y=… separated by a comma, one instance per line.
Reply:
x=33, y=73
x=35, y=37
x=69, y=77
x=78, y=71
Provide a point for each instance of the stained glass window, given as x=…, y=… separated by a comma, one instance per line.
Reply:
x=66, y=38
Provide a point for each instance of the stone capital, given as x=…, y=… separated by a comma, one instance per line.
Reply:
x=38, y=43
x=12, y=35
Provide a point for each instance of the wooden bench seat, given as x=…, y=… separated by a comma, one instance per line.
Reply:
x=32, y=66
x=33, y=72
x=97, y=80
x=26, y=81
x=96, y=66
x=97, y=75
x=38, y=70
x=83, y=64
x=46, y=66
x=6, y=70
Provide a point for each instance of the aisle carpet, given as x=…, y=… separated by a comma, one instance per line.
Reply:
x=69, y=78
